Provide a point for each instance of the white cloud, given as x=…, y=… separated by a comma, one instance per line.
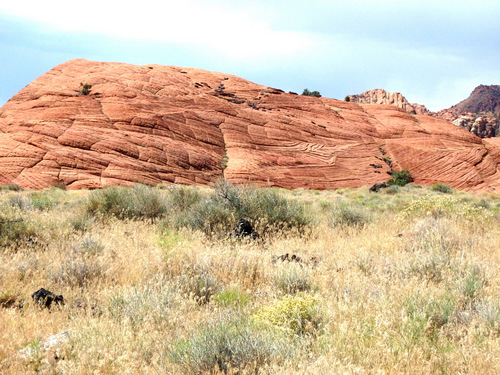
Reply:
x=217, y=26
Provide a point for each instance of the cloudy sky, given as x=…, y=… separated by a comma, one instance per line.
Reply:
x=433, y=52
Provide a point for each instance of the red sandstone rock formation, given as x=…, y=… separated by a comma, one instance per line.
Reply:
x=379, y=96
x=156, y=124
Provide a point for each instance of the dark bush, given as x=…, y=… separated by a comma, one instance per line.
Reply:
x=85, y=88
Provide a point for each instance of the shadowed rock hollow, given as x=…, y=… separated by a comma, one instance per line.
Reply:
x=156, y=124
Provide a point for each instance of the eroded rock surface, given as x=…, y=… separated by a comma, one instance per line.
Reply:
x=156, y=124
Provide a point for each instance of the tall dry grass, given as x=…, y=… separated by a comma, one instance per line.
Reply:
x=404, y=281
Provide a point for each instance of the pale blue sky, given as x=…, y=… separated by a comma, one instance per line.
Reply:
x=433, y=52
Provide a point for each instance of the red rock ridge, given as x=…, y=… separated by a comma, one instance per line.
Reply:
x=155, y=124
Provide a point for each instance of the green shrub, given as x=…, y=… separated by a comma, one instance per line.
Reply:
x=348, y=216
x=139, y=202
x=182, y=197
x=472, y=284
x=400, y=178
x=42, y=201
x=267, y=210
x=300, y=314
x=442, y=188
x=232, y=345
x=426, y=316
x=207, y=215
x=232, y=298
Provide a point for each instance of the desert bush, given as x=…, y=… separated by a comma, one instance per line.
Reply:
x=88, y=246
x=77, y=271
x=293, y=278
x=400, y=178
x=150, y=302
x=442, y=188
x=348, y=216
x=12, y=187
x=471, y=284
x=14, y=229
x=41, y=201
x=232, y=345
x=19, y=201
x=300, y=314
x=82, y=264
x=489, y=312
x=391, y=190
x=271, y=211
x=232, y=298
x=426, y=316
x=199, y=284
x=207, y=215
x=182, y=197
x=81, y=220
x=139, y=202
x=266, y=209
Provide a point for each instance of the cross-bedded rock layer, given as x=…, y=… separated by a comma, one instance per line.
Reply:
x=155, y=124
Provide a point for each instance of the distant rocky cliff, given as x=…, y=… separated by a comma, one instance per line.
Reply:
x=479, y=113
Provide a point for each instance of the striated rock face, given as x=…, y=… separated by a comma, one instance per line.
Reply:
x=155, y=124
x=379, y=96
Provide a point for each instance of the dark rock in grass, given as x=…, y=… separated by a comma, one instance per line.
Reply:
x=244, y=229
x=375, y=188
x=45, y=298
x=313, y=261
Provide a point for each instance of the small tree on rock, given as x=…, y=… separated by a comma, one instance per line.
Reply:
x=306, y=92
x=400, y=178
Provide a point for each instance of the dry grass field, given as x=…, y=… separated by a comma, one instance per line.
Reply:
x=404, y=281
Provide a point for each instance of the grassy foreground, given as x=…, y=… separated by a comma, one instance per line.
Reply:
x=405, y=281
